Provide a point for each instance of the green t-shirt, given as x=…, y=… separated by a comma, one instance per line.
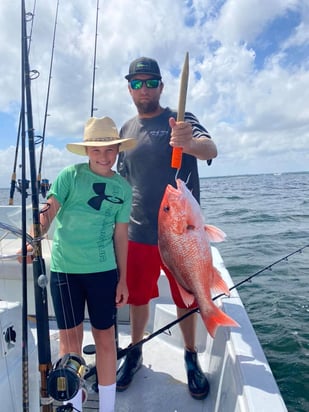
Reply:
x=90, y=206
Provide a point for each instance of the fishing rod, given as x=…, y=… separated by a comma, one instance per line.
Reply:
x=90, y=349
x=22, y=135
x=94, y=60
x=123, y=352
x=39, y=272
x=13, y=177
x=43, y=185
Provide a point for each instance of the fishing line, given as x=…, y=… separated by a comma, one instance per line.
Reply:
x=123, y=352
x=10, y=229
x=15, y=231
x=47, y=101
x=94, y=60
x=269, y=267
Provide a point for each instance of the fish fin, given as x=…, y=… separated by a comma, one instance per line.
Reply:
x=214, y=233
x=218, y=284
x=187, y=297
x=217, y=318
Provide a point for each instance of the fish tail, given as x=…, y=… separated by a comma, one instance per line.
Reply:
x=215, y=319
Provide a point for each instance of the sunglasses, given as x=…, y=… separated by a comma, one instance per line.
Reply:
x=150, y=83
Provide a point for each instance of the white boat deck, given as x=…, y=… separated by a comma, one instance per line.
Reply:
x=160, y=384
x=234, y=363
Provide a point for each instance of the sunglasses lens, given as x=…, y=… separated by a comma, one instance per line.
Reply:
x=136, y=84
x=150, y=83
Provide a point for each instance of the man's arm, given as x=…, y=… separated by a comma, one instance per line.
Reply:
x=201, y=147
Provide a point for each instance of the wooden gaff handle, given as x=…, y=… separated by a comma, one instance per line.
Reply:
x=177, y=151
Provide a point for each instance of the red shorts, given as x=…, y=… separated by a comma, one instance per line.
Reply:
x=143, y=272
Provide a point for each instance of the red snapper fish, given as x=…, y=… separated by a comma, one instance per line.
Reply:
x=184, y=245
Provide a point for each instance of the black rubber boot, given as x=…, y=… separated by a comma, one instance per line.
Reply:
x=131, y=365
x=197, y=383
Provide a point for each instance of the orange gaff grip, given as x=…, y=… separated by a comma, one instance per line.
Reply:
x=177, y=151
x=176, y=157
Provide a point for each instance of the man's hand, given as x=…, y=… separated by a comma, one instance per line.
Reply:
x=181, y=135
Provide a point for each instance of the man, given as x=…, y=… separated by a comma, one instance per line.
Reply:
x=147, y=168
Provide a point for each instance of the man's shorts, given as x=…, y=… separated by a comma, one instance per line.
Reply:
x=143, y=272
x=70, y=292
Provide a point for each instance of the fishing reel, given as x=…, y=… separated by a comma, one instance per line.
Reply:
x=23, y=185
x=44, y=187
x=65, y=379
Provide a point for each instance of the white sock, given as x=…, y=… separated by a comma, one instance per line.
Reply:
x=107, y=395
x=76, y=401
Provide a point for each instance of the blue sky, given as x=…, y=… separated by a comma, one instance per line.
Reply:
x=249, y=77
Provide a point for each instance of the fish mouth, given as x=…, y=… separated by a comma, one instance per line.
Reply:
x=176, y=194
x=173, y=189
x=180, y=184
x=173, y=194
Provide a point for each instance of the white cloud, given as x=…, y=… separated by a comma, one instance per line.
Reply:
x=257, y=116
x=244, y=20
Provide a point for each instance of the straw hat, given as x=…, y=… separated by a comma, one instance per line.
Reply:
x=101, y=132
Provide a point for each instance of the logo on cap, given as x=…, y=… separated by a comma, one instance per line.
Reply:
x=141, y=65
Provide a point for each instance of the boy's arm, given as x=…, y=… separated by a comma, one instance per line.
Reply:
x=121, y=251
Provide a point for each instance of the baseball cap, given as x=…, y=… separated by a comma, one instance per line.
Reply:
x=144, y=65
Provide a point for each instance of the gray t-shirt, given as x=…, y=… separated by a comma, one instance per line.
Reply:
x=148, y=169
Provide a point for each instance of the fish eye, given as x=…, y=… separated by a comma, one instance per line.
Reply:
x=166, y=208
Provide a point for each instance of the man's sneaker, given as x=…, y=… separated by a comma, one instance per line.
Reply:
x=130, y=366
x=197, y=382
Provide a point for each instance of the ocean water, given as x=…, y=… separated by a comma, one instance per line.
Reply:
x=266, y=217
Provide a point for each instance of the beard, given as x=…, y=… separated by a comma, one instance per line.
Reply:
x=147, y=107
